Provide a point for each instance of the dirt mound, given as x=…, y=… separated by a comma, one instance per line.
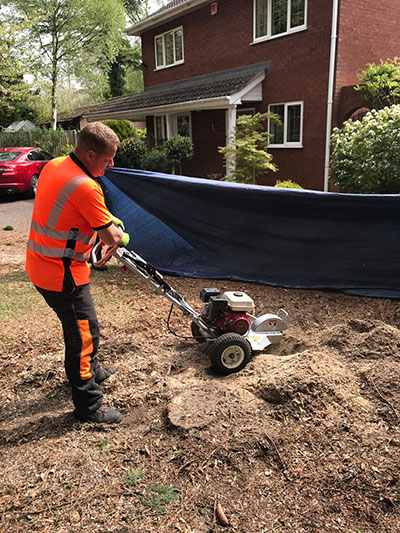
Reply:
x=366, y=339
x=307, y=382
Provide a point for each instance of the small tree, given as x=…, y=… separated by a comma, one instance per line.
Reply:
x=178, y=148
x=380, y=83
x=249, y=148
x=366, y=155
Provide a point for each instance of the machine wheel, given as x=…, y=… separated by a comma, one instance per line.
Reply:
x=33, y=185
x=230, y=353
x=196, y=333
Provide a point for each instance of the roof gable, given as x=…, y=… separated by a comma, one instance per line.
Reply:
x=168, y=12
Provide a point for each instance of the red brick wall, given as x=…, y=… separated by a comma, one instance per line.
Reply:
x=299, y=71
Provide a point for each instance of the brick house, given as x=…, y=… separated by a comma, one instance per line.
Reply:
x=205, y=63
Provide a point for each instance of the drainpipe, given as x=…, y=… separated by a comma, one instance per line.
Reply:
x=230, y=123
x=331, y=84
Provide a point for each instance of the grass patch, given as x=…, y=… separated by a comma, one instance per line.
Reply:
x=18, y=297
x=133, y=477
x=163, y=494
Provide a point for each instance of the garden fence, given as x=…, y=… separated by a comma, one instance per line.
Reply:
x=32, y=138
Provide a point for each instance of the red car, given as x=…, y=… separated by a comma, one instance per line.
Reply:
x=20, y=169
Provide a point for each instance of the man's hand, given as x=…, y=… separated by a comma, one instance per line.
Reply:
x=117, y=222
x=125, y=240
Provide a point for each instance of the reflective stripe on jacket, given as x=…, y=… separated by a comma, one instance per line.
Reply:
x=68, y=206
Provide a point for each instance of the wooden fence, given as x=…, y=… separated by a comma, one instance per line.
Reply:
x=33, y=138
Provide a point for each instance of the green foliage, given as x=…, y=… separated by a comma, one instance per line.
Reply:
x=381, y=83
x=366, y=155
x=50, y=140
x=133, y=153
x=164, y=494
x=123, y=128
x=178, y=148
x=73, y=37
x=249, y=148
x=14, y=92
x=130, y=153
x=133, y=477
x=287, y=184
x=66, y=149
x=8, y=228
x=156, y=160
x=126, y=67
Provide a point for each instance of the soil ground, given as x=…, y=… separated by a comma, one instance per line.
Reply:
x=304, y=439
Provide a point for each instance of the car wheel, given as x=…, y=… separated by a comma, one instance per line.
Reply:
x=33, y=185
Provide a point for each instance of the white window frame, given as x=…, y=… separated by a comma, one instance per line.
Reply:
x=164, y=50
x=170, y=125
x=286, y=144
x=174, y=122
x=164, y=128
x=289, y=30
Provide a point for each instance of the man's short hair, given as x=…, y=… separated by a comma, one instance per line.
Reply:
x=97, y=136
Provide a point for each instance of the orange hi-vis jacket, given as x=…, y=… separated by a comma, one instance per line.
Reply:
x=69, y=208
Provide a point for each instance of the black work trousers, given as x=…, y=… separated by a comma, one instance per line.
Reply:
x=81, y=336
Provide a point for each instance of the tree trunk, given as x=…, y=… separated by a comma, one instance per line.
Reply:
x=54, y=78
x=53, y=104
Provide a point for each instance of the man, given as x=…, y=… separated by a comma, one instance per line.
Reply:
x=68, y=214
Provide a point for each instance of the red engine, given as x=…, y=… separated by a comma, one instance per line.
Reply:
x=234, y=322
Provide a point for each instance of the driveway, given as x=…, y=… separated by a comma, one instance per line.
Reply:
x=15, y=212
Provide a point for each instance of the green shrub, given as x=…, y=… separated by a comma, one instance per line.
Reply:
x=380, y=83
x=178, y=148
x=66, y=149
x=50, y=140
x=156, y=160
x=130, y=153
x=287, y=184
x=124, y=129
x=366, y=155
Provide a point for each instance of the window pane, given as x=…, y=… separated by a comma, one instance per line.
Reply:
x=161, y=129
x=261, y=18
x=183, y=125
x=159, y=51
x=178, y=45
x=297, y=13
x=169, y=48
x=274, y=128
x=293, y=126
x=279, y=16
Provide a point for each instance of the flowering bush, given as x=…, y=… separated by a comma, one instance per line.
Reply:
x=366, y=155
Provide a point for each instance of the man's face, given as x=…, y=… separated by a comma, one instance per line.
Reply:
x=99, y=162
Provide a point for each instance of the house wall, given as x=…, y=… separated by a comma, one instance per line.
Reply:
x=298, y=71
x=368, y=32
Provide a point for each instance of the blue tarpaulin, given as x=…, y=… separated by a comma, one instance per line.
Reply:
x=282, y=237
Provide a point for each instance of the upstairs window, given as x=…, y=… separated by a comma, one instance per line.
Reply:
x=169, y=48
x=289, y=133
x=277, y=17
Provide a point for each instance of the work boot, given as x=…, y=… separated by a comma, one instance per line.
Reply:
x=104, y=373
x=100, y=268
x=104, y=415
